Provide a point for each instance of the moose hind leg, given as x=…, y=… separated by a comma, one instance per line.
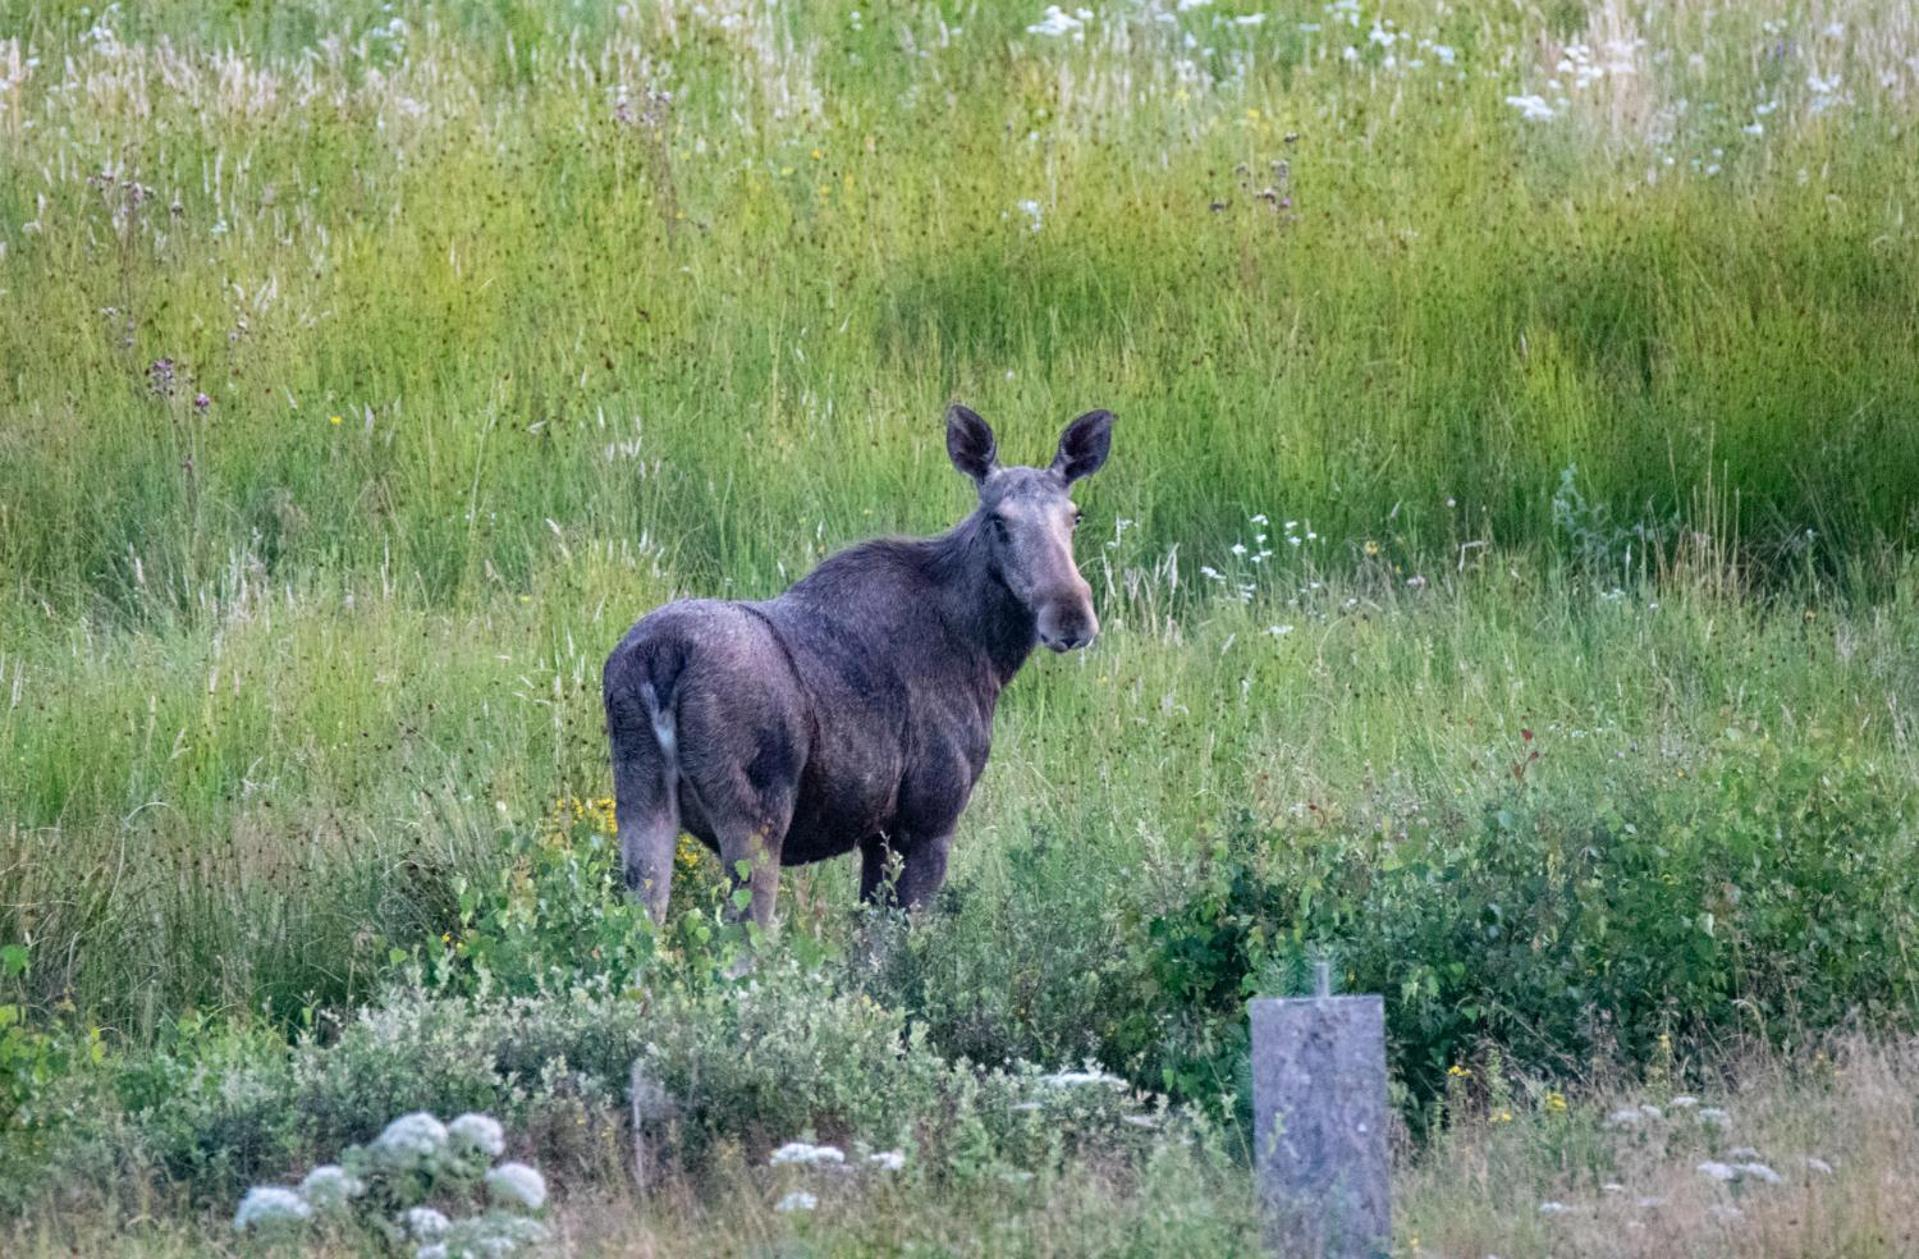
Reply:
x=649, y=833
x=645, y=797
x=750, y=851
x=925, y=870
x=876, y=871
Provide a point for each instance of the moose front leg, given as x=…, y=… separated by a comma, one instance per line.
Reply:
x=925, y=870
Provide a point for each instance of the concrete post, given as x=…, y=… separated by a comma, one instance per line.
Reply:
x=1321, y=1159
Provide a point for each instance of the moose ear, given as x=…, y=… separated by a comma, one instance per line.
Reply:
x=970, y=443
x=1084, y=445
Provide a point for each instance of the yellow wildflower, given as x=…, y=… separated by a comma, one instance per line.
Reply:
x=1555, y=1103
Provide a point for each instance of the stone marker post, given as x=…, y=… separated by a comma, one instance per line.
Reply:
x=1319, y=1124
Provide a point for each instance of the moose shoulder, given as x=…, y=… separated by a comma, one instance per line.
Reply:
x=856, y=709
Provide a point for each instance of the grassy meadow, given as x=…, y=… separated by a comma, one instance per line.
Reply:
x=1506, y=567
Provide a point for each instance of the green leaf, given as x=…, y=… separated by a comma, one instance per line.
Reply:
x=13, y=960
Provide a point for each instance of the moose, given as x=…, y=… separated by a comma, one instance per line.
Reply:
x=856, y=709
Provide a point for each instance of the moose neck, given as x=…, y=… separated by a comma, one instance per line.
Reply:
x=976, y=604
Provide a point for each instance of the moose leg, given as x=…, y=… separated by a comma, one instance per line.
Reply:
x=876, y=855
x=754, y=849
x=645, y=800
x=925, y=870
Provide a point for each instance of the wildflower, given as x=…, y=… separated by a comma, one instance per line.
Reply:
x=1035, y=216
x=1685, y=1101
x=1239, y=548
x=330, y=1187
x=1073, y=1079
x=1760, y=1172
x=1715, y=1116
x=1555, y=1102
x=1279, y=631
x=266, y=1206
x=334, y=420
x=1458, y=1072
x=1718, y=1171
x=888, y=1160
x=1531, y=108
x=516, y=1184
x=1625, y=1117
x=1259, y=519
x=437, y=1250
x=798, y=1200
x=410, y=1141
x=1502, y=1115
x=201, y=402
x=805, y=1155
x=477, y=1134
x=1819, y=1165
x=1553, y=1208
x=424, y=1224
x=1371, y=548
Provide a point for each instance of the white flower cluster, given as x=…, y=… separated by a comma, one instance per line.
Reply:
x=416, y=1155
x=517, y=1185
x=806, y=1155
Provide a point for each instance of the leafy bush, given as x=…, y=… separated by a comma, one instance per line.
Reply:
x=1775, y=893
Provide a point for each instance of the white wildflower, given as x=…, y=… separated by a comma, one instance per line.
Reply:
x=424, y=1224
x=1553, y=1208
x=330, y=1187
x=1249, y=19
x=479, y=1134
x=1760, y=1172
x=1531, y=108
x=888, y=1160
x=516, y=1184
x=1034, y=215
x=1625, y=1117
x=410, y=1141
x=1712, y=1114
x=1742, y=1154
x=1685, y=1101
x=1074, y=1079
x=436, y=1251
x=1279, y=631
x=1239, y=548
x=799, y=1152
x=798, y=1200
x=1056, y=22
x=1718, y=1171
x=1819, y=1165
x=1754, y=128
x=270, y=1205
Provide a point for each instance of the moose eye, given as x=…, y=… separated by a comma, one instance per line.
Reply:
x=1078, y=516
